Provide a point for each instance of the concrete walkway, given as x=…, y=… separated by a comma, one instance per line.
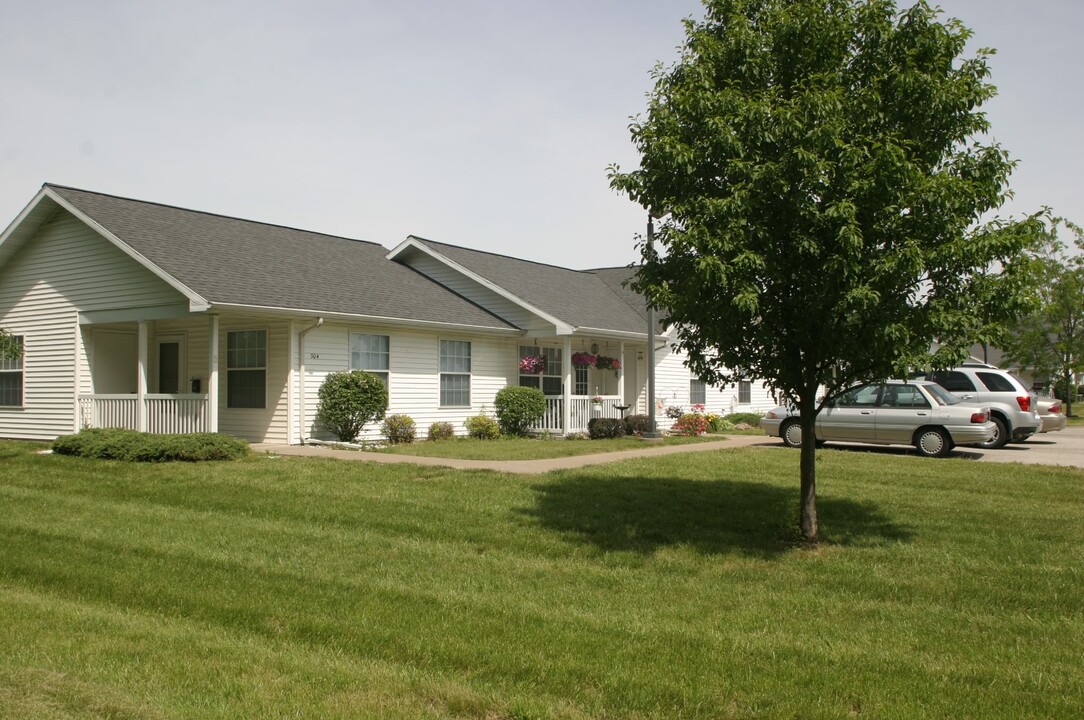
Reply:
x=525, y=467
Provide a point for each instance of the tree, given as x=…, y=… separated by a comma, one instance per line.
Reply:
x=10, y=346
x=1050, y=338
x=819, y=165
x=349, y=400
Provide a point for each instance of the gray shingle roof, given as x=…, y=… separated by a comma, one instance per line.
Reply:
x=233, y=261
x=583, y=298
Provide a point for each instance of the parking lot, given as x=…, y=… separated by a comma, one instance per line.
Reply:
x=1065, y=447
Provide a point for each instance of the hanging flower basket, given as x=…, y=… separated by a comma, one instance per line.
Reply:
x=583, y=359
x=596, y=402
x=532, y=365
x=603, y=362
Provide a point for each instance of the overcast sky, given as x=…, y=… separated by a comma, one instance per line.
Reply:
x=482, y=123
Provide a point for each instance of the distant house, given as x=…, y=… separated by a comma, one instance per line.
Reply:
x=142, y=315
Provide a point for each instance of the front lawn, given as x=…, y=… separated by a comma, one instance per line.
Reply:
x=653, y=588
x=510, y=448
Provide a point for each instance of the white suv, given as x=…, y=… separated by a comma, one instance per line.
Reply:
x=1013, y=408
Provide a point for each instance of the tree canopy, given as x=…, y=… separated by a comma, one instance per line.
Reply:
x=823, y=175
x=1049, y=339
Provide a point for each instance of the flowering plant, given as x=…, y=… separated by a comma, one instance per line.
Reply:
x=597, y=400
x=604, y=362
x=674, y=412
x=584, y=359
x=698, y=408
x=532, y=365
x=691, y=424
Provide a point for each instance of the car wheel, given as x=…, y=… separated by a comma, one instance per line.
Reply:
x=932, y=442
x=791, y=432
x=1001, y=435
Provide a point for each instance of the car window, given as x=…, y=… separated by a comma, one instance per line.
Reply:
x=903, y=396
x=996, y=382
x=953, y=381
x=942, y=396
x=861, y=396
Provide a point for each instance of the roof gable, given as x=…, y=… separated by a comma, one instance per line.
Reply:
x=233, y=262
x=576, y=299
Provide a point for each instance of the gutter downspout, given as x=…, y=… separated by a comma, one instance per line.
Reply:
x=301, y=377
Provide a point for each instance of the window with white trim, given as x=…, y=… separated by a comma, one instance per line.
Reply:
x=551, y=381
x=11, y=376
x=371, y=353
x=745, y=392
x=246, y=369
x=455, y=373
x=698, y=391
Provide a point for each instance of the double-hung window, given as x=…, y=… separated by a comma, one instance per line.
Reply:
x=246, y=369
x=371, y=353
x=455, y=373
x=11, y=376
x=745, y=392
x=698, y=392
x=551, y=380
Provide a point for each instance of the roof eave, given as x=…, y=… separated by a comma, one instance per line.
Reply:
x=359, y=318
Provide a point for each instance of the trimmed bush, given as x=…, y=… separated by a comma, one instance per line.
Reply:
x=399, y=429
x=748, y=418
x=348, y=401
x=518, y=408
x=441, y=431
x=133, y=446
x=636, y=424
x=604, y=428
x=482, y=427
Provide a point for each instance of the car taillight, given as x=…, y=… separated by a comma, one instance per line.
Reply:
x=1054, y=409
x=1024, y=402
x=980, y=417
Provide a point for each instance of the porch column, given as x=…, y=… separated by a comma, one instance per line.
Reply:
x=77, y=341
x=621, y=374
x=566, y=386
x=141, y=378
x=212, y=374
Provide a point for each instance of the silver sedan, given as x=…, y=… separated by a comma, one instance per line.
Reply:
x=915, y=412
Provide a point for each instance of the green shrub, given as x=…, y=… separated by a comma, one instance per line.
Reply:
x=348, y=401
x=482, y=427
x=749, y=418
x=518, y=408
x=132, y=446
x=604, y=428
x=718, y=423
x=399, y=429
x=441, y=431
x=636, y=424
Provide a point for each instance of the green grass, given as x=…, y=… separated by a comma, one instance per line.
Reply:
x=510, y=448
x=661, y=588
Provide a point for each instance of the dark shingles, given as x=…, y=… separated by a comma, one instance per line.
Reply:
x=233, y=261
x=582, y=298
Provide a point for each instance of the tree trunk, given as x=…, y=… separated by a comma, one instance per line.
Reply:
x=808, y=518
x=1070, y=391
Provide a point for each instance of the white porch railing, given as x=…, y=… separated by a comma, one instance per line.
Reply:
x=164, y=413
x=582, y=411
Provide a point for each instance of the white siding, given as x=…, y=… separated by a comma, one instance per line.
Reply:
x=414, y=384
x=66, y=268
x=268, y=424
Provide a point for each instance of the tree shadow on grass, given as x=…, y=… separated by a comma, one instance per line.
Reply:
x=643, y=515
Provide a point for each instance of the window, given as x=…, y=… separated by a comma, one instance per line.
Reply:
x=996, y=383
x=11, y=377
x=698, y=392
x=745, y=392
x=371, y=353
x=551, y=381
x=581, y=380
x=454, y=373
x=861, y=396
x=953, y=381
x=903, y=396
x=246, y=369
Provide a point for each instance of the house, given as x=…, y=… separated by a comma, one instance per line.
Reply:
x=143, y=315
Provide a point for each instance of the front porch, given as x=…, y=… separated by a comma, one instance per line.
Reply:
x=581, y=410
x=154, y=412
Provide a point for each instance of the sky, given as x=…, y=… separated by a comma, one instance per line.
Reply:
x=483, y=123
